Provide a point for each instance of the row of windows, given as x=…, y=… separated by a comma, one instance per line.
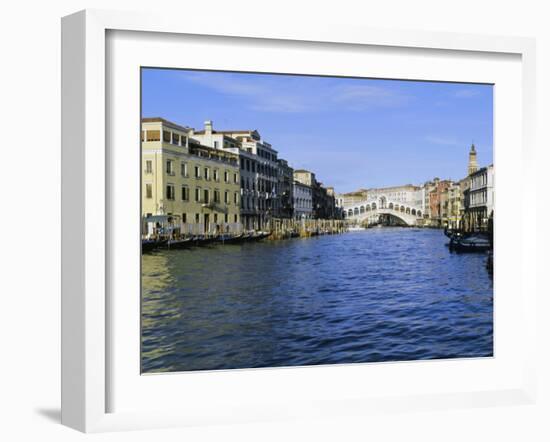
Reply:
x=302, y=203
x=200, y=196
x=197, y=218
x=251, y=203
x=478, y=197
x=267, y=155
x=199, y=172
x=263, y=185
x=478, y=181
x=252, y=166
x=167, y=136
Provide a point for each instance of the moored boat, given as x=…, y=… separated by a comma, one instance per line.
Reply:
x=148, y=245
x=470, y=243
x=179, y=243
x=231, y=239
x=257, y=236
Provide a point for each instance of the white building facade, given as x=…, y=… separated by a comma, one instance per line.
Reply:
x=302, y=195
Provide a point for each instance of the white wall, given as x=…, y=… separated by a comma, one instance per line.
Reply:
x=30, y=117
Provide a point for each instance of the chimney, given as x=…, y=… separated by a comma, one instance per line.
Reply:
x=208, y=127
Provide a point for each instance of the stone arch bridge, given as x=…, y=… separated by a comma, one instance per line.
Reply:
x=370, y=211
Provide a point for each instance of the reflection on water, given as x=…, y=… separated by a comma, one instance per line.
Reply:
x=378, y=295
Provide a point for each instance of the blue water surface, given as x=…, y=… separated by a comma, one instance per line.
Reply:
x=384, y=294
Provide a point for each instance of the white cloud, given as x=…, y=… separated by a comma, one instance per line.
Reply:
x=465, y=93
x=443, y=141
x=266, y=96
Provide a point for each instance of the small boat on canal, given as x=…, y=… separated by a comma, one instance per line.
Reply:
x=475, y=242
x=258, y=236
x=231, y=239
x=179, y=243
x=148, y=245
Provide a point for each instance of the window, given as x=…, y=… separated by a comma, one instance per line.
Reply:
x=216, y=218
x=226, y=176
x=216, y=175
x=148, y=190
x=197, y=172
x=216, y=196
x=170, y=167
x=236, y=198
x=206, y=173
x=236, y=218
x=197, y=194
x=153, y=135
x=170, y=191
x=235, y=178
x=166, y=136
x=216, y=144
x=184, y=169
x=175, y=139
x=206, y=196
x=197, y=218
x=226, y=197
x=148, y=166
x=226, y=218
x=184, y=193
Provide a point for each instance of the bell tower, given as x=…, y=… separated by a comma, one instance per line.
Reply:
x=472, y=161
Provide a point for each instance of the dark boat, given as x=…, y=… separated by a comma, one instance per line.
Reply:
x=257, y=236
x=231, y=239
x=179, y=243
x=148, y=245
x=471, y=243
x=203, y=240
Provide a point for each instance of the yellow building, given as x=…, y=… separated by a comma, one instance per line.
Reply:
x=193, y=188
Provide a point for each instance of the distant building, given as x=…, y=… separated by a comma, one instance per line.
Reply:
x=351, y=198
x=438, y=199
x=285, y=189
x=302, y=196
x=407, y=194
x=480, y=199
x=323, y=203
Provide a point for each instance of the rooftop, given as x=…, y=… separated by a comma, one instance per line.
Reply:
x=164, y=122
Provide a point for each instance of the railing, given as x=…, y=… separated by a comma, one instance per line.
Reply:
x=192, y=229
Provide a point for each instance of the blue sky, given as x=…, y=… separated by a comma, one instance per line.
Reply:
x=353, y=133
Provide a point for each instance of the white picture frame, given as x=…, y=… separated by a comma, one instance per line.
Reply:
x=87, y=356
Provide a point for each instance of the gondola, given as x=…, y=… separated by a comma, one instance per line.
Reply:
x=470, y=244
x=231, y=239
x=148, y=245
x=257, y=236
x=179, y=243
x=203, y=240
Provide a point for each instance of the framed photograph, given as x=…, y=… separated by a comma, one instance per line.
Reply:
x=267, y=223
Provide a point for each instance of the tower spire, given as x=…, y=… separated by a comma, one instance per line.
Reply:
x=472, y=161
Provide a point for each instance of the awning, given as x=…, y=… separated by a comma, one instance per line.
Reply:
x=156, y=219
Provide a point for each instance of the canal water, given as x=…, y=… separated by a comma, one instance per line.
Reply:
x=384, y=294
